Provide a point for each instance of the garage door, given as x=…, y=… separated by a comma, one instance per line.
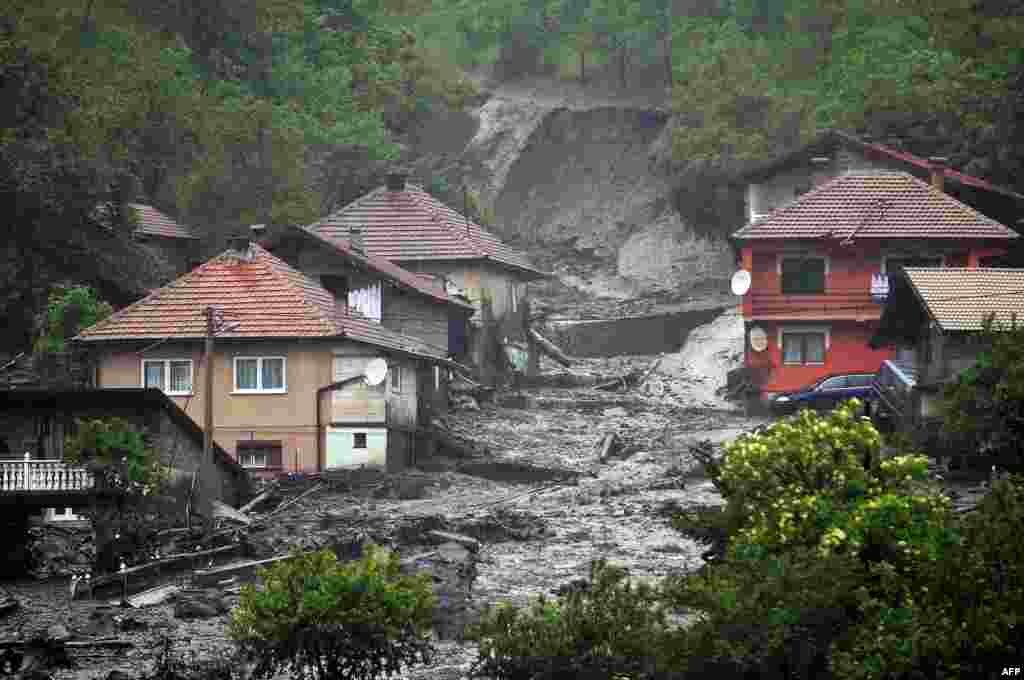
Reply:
x=355, y=447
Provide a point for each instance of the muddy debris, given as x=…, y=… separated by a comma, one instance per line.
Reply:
x=504, y=524
x=516, y=473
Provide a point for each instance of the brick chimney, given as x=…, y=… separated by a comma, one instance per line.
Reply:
x=355, y=238
x=396, y=180
x=938, y=167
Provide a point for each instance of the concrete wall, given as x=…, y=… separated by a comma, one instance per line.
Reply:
x=637, y=335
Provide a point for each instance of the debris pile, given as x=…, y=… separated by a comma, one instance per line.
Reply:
x=60, y=549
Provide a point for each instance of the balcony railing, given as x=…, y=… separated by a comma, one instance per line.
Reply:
x=839, y=304
x=43, y=475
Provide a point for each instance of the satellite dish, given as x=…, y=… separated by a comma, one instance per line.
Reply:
x=375, y=372
x=758, y=339
x=740, y=282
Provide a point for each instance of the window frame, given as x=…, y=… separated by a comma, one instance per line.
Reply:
x=264, y=447
x=259, y=389
x=804, y=330
x=781, y=257
x=167, y=376
x=395, y=379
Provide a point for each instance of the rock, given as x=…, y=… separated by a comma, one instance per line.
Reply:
x=615, y=412
x=58, y=633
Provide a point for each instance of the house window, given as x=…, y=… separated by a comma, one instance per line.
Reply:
x=803, y=275
x=255, y=375
x=359, y=440
x=173, y=376
x=396, y=379
x=514, y=295
x=804, y=347
x=254, y=453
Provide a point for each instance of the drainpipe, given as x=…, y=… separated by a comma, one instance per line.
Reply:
x=319, y=393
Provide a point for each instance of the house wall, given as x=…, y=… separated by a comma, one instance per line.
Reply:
x=784, y=187
x=476, y=277
x=413, y=315
x=175, y=447
x=288, y=417
x=847, y=352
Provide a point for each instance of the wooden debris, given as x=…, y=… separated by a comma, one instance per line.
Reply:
x=607, y=446
x=240, y=569
x=266, y=495
x=224, y=511
x=550, y=348
x=465, y=541
x=153, y=596
x=295, y=500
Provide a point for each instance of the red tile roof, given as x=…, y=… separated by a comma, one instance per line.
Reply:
x=875, y=204
x=153, y=222
x=266, y=297
x=960, y=299
x=379, y=265
x=413, y=225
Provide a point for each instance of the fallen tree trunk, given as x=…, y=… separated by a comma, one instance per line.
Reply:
x=550, y=349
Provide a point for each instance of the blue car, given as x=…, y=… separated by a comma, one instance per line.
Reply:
x=827, y=393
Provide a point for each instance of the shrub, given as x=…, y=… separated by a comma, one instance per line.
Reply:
x=983, y=408
x=118, y=452
x=612, y=627
x=69, y=311
x=319, y=618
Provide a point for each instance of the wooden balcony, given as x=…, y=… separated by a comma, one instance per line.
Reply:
x=44, y=476
x=849, y=305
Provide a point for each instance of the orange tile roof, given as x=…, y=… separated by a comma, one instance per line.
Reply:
x=875, y=204
x=960, y=299
x=265, y=296
x=413, y=225
x=153, y=222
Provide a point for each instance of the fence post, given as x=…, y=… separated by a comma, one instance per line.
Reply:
x=25, y=469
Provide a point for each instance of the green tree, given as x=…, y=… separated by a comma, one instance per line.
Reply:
x=319, y=618
x=69, y=311
x=983, y=408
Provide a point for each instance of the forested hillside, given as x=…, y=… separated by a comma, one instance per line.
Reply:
x=227, y=112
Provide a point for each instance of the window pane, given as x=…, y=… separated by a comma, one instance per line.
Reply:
x=181, y=376
x=815, y=348
x=791, y=350
x=154, y=371
x=801, y=275
x=273, y=374
x=359, y=440
x=245, y=374
x=834, y=383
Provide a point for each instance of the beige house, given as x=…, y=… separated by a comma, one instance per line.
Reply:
x=402, y=223
x=282, y=342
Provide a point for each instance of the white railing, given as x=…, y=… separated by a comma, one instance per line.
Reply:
x=43, y=475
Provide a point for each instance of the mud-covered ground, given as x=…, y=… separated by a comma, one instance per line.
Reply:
x=537, y=496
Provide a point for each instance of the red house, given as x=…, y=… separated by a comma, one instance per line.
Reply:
x=810, y=310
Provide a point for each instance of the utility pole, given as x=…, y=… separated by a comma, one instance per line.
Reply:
x=206, y=464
